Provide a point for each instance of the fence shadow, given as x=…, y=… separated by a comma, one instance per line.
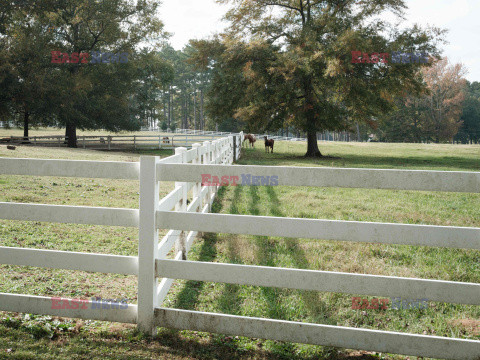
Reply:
x=188, y=297
x=447, y=163
x=230, y=301
x=317, y=308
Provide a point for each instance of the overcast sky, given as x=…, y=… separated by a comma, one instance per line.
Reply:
x=190, y=19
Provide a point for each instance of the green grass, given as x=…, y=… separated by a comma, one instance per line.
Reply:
x=371, y=155
x=73, y=339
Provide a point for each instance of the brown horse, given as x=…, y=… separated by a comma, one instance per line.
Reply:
x=251, y=140
x=269, y=144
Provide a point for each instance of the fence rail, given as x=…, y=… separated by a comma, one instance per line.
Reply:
x=356, y=231
x=326, y=335
x=454, y=181
x=434, y=290
x=183, y=221
x=69, y=214
x=70, y=168
x=108, y=264
x=43, y=305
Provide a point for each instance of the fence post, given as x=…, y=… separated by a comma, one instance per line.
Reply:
x=147, y=244
x=196, y=160
x=206, y=161
x=109, y=138
x=134, y=142
x=234, y=139
x=182, y=238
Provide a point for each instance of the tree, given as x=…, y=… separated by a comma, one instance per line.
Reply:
x=113, y=26
x=444, y=101
x=470, y=130
x=297, y=65
x=183, y=97
x=434, y=115
x=30, y=92
x=154, y=74
x=405, y=123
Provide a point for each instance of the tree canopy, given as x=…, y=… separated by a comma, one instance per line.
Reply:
x=73, y=93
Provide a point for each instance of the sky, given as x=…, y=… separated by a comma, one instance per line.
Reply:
x=196, y=19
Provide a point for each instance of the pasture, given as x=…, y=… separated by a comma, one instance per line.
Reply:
x=88, y=339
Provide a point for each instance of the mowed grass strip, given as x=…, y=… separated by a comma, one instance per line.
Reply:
x=25, y=338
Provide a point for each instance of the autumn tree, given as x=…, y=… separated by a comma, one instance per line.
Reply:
x=444, y=100
x=435, y=115
x=296, y=63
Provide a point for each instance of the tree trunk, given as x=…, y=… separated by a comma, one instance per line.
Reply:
x=195, y=110
x=202, y=120
x=164, y=105
x=311, y=128
x=169, y=107
x=71, y=134
x=26, y=117
x=312, y=145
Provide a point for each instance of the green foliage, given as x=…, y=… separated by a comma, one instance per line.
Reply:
x=183, y=96
x=470, y=130
x=115, y=96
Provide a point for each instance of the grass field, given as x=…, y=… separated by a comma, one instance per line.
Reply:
x=25, y=337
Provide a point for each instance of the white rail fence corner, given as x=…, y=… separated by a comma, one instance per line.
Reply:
x=184, y=220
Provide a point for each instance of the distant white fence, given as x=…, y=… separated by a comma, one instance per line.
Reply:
x=156, y=273
x=116, y=142
x=344, y=136
x=220, y=133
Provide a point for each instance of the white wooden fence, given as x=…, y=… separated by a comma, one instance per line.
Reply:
x=217, y=152
x=156, y=272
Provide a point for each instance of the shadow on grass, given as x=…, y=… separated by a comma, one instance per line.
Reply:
x=363, y=161
x=230, y=301
x=126, y=343
x=317, y=308
x=188, y=297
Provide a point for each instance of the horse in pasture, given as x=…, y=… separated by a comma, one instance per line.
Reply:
x=269, y=144
x=251, y=140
